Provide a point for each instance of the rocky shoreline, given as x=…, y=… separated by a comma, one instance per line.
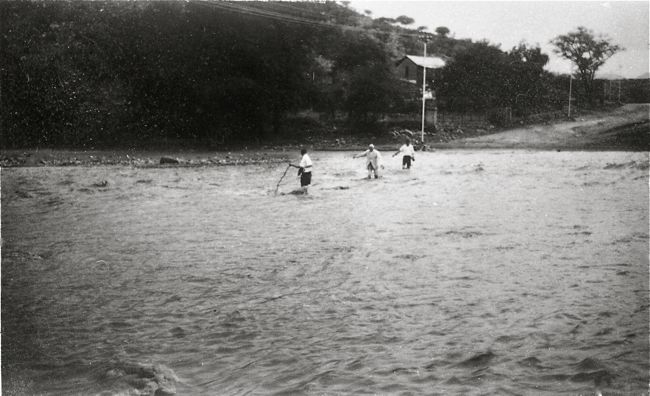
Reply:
x=36, y=158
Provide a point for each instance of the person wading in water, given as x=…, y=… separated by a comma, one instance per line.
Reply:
x=409, y=154
x=373, y=160
x=304, y=170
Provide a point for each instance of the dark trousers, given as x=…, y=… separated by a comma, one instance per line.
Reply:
x=406, y=161
x=305, y=179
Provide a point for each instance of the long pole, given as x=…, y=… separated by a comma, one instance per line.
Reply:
x=280, y=181
x=424, y=86
x=570, y=86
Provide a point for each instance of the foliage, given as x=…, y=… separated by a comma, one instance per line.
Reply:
x=474, y=79
x=481, y=76
x=638, y=92
x=442, y=31
x=405, y=20
x=525, y=79
x=116, y=73
x=587, y=53
x=104, y=73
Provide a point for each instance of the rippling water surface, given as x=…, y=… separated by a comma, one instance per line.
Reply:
x=491, y=272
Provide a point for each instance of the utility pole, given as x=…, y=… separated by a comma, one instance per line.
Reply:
x=620, y=72
x=424, y=88
x=570, y=87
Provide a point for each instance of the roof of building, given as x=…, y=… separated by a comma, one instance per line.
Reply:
x=430, y=62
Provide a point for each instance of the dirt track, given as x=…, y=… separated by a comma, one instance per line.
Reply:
x=626, y=128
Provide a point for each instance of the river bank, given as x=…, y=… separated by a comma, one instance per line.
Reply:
x=624, y=129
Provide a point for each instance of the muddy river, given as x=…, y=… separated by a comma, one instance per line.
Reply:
x=475, y=272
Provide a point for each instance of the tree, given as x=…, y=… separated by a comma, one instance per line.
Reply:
x=365, y=84
x=442, y=31
x=384, y=20
x=482, y=77
x=525, y=78
x=405, y=20
x=475, y=79
x=587, y=52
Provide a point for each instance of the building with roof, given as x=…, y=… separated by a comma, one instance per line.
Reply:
x=410, y=67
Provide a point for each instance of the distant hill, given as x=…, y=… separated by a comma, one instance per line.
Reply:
x=644, y=75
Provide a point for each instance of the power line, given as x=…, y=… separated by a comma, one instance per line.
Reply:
x=251, y=11
x=264, y=13
x=290, y=7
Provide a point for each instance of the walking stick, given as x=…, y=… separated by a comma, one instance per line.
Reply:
x=280, y=181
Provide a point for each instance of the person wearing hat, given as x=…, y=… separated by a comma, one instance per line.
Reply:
x=373, y=160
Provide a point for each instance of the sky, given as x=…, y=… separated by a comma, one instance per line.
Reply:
x=508, y=23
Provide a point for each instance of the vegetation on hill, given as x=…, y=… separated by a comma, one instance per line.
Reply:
x=103, y=73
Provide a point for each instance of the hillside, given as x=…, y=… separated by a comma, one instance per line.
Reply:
x=213, y=75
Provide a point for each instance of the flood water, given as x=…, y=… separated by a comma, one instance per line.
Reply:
x=476, y=272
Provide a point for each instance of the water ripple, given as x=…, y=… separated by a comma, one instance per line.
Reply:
x=465, y=275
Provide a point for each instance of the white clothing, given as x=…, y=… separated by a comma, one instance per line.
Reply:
x=305, y=163
x=373, y=161
x=372, y=158
x=407, y=150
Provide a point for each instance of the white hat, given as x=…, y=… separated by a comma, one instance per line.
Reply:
x=371, y=146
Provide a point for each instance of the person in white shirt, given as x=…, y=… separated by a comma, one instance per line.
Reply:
x=304, y=170
x=373, y=161
x=409, y=154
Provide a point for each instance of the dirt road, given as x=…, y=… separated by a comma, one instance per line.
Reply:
x=627, y=128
